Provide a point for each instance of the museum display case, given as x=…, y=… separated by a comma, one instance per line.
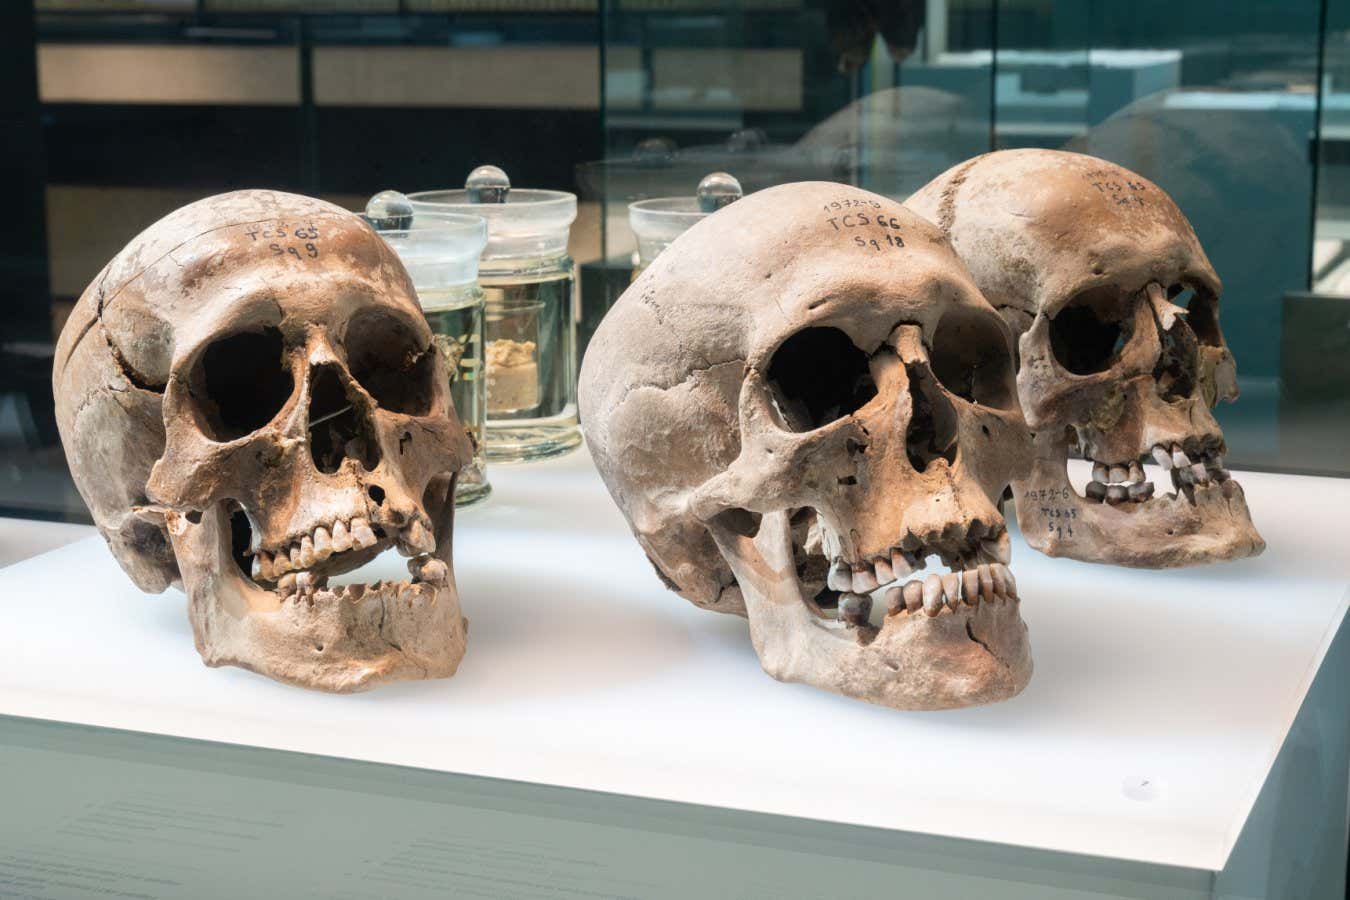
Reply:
x=1013, y=448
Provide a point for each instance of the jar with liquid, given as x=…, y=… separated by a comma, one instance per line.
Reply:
x=659, y=221
x=529, y=285
x=441, y=253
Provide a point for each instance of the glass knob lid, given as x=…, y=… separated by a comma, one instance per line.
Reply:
x=716, y=190
x=487, y=184
x=389, y=211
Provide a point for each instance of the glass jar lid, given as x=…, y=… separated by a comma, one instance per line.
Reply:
x=522, y=224
x=659, y=221
x=439, y=249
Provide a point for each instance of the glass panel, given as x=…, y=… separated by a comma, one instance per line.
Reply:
x=1215, y=102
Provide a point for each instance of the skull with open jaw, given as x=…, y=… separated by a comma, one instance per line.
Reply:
x=800, y=401
x=1122, y=355
x=284, y=419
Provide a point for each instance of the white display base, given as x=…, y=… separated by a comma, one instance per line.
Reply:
x=1159, y=702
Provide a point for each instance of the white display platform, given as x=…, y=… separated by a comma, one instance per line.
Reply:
x=1159, y=702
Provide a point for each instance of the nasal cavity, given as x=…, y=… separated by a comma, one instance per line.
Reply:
x=931, y=433
x=1177, y=370
x=338, y=430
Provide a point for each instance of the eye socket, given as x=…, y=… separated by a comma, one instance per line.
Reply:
x=389, y=359
x=241, y=383
x=1089, y=334
x=818, y=376
x=1202, y=312
x=970, y=356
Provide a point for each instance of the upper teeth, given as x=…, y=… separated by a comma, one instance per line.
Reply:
x=309, y=550
x=987, y=582
x=1120, y=482
x=898, y=563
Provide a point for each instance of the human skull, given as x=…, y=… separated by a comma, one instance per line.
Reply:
x=801, y=400
x=250, y=404
x=1121, y=353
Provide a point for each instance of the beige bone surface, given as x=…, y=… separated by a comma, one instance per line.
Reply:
x=1069, y=247
x=251, y=405
x=711, y=399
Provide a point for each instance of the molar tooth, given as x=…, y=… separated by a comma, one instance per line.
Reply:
x=970, y=584
x=1141, y=491
x=913, y=593
x=895, y=600
x=910, y=542
x=1136, y=473
x=1095, y=491
x=855, y=608
x=932, y=595
x=1117, y=493
x=1200, y=473
x=951, y=586
x=882, y=568
x=323, y=543
x=286, y=585
x=429, y=569
x=307, y=551
x=988, y=586
x=355, y=591
x=304, y=582
x=1100, y=472
x=902, y=564
x=1214, y=462
x=419, y=536
x=281, y=563
x=864, y=581
x=1118, y=475
x=362, y=536
x=1163, y=457
x=840, y=577
x=1179, y=458
x=342, y=540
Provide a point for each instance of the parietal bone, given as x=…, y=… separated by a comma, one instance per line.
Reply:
x=250, y=404
x=1121, y=354
x=801, y=401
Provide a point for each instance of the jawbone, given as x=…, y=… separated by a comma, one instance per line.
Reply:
x=1209, y=523
x=340, y=640
x=960, y=657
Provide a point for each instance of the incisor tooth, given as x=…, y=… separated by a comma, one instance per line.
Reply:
x=970, y=584
x=932, y=595
x=1200, y=473
x=323, y=543
x=901, y=567
x=1163, y=457
x=882, y=568
x=1141, y=491
x=840, y=578
x=913, y=593
x=864, y=581
x=895, y=600
x=1118, y=475
x=1117, y=493
x=342, y=540
x=1179, y=458
x=1136, y=473
x=951, y=586
x=1095, y=491
x=1100, y=472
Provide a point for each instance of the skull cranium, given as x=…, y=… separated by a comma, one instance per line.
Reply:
x=802, y=399
x=1121, y=353
x=250, y=405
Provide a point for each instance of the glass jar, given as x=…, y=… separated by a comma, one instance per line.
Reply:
x=530, y=314
x=659, y=221
x=441, y=253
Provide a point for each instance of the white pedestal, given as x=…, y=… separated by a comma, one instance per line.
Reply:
x=1158, y=707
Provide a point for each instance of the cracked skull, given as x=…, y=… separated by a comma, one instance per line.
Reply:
x=250, y=405
x=1121, y=354
x=803, y=403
